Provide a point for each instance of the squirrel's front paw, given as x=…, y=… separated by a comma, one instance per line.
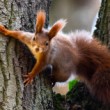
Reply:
x=3, y=30
x=29, y=79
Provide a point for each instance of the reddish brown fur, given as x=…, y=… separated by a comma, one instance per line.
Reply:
x=63, y=57
x=94, y=68
x=91, y=60
x=40, y=20
x=55, y=29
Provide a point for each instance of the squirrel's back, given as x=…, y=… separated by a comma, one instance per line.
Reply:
x=63, y=53
x=81, y=54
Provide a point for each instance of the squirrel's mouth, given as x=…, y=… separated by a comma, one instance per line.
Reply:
x=42, y=50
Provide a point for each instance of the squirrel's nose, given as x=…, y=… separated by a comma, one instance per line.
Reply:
x=37, y=49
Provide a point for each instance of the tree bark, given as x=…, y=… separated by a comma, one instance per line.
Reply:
x=16, y=60
x=103, y=23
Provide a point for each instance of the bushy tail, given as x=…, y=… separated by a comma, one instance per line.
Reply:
x=101, y=86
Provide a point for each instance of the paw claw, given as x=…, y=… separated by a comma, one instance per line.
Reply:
x=25, y=76
x=28, y=80
x=25, y=80
x=2, y=29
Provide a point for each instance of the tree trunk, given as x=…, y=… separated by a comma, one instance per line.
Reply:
x=16, y=60
x=103, y=23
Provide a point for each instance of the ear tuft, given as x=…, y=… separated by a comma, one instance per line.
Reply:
x=40, y=20
x=62, y=23
x=59, y=25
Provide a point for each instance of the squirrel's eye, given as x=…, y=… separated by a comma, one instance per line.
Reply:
x=34, y=39
x=47, y=43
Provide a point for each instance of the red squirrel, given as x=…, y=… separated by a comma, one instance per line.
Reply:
x=75, y=53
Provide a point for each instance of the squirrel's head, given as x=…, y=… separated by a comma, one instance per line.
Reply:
x=43, y=36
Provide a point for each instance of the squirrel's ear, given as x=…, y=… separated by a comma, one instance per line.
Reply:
x=59, y=25
x=40, y=20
